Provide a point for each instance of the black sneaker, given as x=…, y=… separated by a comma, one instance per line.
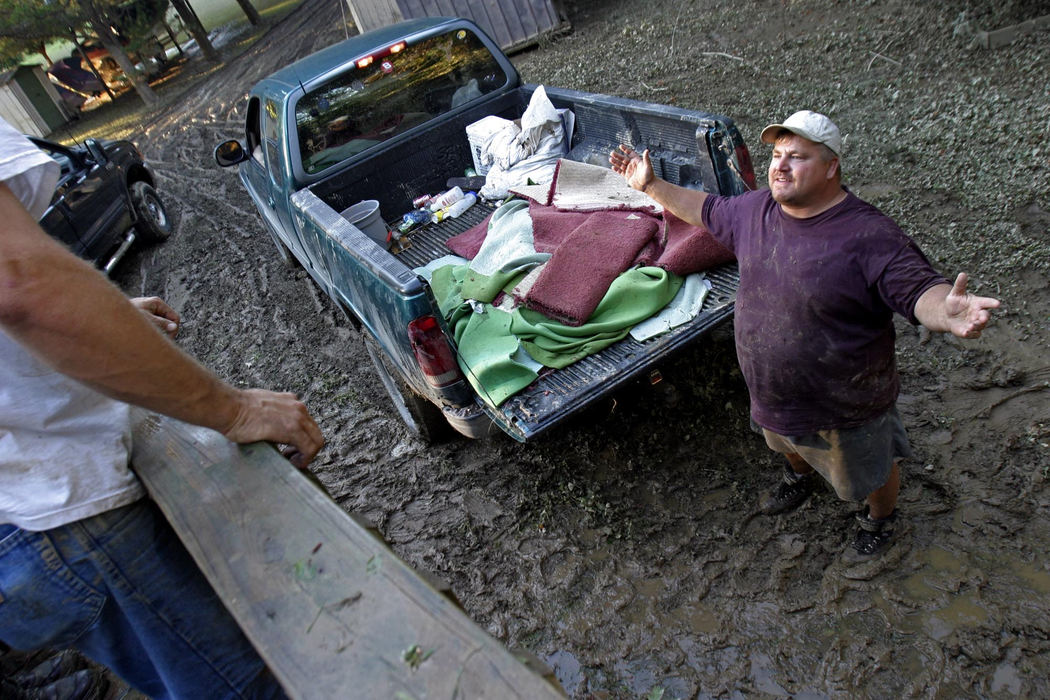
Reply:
x=51, y=669
x=87, y=684
x=790, y=493
x=874, y=535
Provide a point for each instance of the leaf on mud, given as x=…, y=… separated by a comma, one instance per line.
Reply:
x=416, y=655
x=304, y=570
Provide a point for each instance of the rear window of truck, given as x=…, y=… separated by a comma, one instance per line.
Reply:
x=391, y=91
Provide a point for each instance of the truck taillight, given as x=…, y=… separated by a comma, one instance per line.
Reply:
x=432, y=351
x=747, y=170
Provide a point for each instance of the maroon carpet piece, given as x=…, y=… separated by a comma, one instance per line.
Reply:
x=586, y=262
x=552, y=226
x=468, y=243
x=678, y=247
x=685, y=248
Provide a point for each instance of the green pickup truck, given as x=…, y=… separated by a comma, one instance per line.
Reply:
x=382, y=117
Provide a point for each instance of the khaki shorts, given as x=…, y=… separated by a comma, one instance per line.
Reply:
x=855, y=461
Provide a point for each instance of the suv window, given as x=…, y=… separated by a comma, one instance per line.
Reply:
x=389, y=93
x=63, y=160
x=252, y=137
x=270, y=138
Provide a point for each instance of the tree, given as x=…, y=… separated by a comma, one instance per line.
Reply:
x=12, y=49
x=23, y=23
x=196, y=29
x=253, y=15
x=94, y=12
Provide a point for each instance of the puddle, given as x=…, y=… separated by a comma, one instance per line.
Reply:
x=948, y=593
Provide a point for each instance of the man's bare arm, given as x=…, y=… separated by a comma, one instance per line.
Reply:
x=637, y=169
x=74, y=319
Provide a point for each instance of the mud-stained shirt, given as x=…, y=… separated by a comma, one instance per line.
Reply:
x=814, y=312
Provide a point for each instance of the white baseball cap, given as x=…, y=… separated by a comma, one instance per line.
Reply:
x=809, y=125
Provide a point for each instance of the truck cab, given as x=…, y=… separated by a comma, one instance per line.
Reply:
x=340, y=106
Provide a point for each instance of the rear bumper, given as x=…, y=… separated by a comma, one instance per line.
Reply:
x=470, y=421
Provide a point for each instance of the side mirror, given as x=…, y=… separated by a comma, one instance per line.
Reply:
x=98, y=154
x=230, y=153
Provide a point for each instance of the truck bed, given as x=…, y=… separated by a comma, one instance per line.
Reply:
x=694, y=149
x=559, y=392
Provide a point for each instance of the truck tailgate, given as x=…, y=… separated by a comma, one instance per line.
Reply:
x=557, y=393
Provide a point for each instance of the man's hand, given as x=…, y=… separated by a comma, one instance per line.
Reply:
x=951, y=309
x=636, y=169
x=967, y=314
x=280, y=418
x=159, y=313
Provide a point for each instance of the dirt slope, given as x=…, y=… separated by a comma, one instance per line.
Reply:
x=625, y=549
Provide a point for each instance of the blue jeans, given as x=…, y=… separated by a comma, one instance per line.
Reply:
x=122, y=589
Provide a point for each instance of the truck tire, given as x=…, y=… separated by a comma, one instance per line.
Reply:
x=422, y=417
x=154, y=224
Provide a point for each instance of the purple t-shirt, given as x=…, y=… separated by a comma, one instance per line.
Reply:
x=814, y=312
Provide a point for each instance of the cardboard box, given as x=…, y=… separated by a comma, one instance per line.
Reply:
x=479, y=133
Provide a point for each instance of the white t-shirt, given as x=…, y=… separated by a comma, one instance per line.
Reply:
x=63, y=446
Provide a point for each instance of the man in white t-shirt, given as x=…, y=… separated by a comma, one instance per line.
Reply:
x=87, y=561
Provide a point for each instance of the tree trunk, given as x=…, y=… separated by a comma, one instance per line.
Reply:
x=193, y=24
x=111, y=43
x=91, y=66
x=253, y=15
x=174, y=38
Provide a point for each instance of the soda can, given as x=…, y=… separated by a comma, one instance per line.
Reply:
x=446, y=198
x=421, y=201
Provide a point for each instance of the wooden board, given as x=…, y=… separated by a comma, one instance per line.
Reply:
x=330, y=607
x=1007, y=35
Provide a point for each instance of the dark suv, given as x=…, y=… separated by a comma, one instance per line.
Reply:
x=104, y=200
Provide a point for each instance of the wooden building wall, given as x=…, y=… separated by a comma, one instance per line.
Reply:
x=29, y=102
x=513, y=24
x=15, y=113
x=372, y=14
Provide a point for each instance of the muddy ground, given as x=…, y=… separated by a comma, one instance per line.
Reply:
x=624, y=549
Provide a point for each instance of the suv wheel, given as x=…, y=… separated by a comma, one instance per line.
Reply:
x=154, y=224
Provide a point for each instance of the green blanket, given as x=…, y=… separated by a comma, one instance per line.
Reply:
x=490, y=340
x=632, y=297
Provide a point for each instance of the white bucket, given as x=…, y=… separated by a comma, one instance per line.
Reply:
x=365, y=216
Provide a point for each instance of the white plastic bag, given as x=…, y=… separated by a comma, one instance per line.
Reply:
x=517, y=153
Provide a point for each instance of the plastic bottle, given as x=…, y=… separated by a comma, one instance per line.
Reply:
x=446, y=198
x=457, y=208
x=412, y=219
